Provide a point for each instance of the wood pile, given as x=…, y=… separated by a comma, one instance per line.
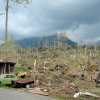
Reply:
x=22, y=74
x=93, y=68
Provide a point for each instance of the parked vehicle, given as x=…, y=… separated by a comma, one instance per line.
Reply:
x=11, y=79
x=5, y=79
x=25, y=83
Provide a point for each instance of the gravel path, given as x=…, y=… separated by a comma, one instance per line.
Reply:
x=18, y=95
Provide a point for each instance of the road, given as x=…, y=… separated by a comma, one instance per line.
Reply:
x=6, y=94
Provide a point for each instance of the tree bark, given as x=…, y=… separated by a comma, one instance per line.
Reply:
x=6, y=23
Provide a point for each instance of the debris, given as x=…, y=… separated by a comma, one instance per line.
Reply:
x=61, y=66
x=37, y=82
x=45, y=90
x=33, y=85
x=85, y=94
x=82, y=77
x=48, y=84
x=21, y=90
x=38, y=91
x=51, y=69
x=97, y=80
x=46, y=63
x=71, y=89
x=66, y=72
x=22, y=74
x=89, y=78
x=93, y=68
x=35, y=63
x=29, y=67
x=74, y=75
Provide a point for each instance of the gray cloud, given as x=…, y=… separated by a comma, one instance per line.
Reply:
x=45, y=17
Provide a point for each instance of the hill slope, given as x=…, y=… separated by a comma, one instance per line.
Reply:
x=41, y=41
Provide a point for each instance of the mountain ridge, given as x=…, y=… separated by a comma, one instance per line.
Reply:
x=41, y=41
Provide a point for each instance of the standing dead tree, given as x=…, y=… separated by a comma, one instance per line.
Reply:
x=7, y=2
x=6, y=22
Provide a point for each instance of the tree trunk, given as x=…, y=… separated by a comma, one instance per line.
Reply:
x=6, y=23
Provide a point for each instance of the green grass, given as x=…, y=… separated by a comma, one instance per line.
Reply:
x=31, y=62
x=95, y=91
x=71, y=98
x=48, y=75
x=70, y=79
x=77, y=63
x=8, y=87
x=18, y=69
x=59, y=97
x=5, y=87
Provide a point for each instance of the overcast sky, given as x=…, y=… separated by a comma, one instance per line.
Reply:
x=46, y=17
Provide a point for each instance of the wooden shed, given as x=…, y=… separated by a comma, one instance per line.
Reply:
x=7, y=67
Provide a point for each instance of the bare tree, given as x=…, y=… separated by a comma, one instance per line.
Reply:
x=24, y=2
x=6, y=23
x=61, y=35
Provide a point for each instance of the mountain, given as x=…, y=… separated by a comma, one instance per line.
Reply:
x=98, y=43
x=41, y=41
